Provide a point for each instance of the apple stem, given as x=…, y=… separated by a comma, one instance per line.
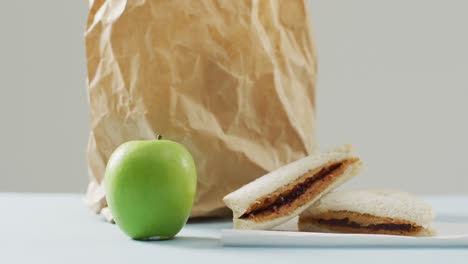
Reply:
x=158, y=137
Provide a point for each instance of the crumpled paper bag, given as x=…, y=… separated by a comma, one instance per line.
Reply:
x=233, y=81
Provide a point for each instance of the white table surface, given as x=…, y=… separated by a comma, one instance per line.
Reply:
x=58, y=228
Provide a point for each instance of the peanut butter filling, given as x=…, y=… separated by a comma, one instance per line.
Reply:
x=286, y=199
x=351, y=222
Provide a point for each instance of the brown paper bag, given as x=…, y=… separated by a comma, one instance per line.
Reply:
x=233, y=81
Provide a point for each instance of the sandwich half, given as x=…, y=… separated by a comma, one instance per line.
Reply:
x=369, y=212
x=284, y=193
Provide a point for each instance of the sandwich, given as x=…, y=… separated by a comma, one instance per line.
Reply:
x=369, y=212
x=286, y=192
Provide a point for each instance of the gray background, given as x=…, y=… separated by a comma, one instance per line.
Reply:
x=393, y=81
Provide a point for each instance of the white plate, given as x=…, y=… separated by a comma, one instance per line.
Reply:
x=449, y=234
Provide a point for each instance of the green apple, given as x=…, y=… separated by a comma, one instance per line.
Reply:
x=150, y=187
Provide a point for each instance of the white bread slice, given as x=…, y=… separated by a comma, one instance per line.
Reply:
x=240, y=200
x=249, y=224
x=379, y=202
